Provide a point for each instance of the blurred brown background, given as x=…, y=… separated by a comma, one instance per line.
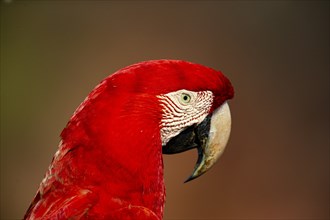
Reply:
x=276, y=53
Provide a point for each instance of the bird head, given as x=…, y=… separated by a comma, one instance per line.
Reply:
x=185, y=103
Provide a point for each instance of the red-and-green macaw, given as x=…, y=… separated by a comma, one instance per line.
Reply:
x=109, y=162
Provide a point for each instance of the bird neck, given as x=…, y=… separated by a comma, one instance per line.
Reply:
x=123, y=153
x=135, y=165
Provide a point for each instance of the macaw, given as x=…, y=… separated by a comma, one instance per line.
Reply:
x=109, y=162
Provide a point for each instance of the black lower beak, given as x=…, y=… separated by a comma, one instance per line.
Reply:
x=192, y=137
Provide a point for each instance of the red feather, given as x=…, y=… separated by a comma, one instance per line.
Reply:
x=109, y=164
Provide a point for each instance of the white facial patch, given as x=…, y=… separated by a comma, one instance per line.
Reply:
x=182, y=109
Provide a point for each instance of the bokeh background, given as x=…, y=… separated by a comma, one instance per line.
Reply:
x=276, y=53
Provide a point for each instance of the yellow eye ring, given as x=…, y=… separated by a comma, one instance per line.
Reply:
x=185, y=98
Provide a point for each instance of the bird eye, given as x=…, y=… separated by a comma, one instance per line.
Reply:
x=185, y=98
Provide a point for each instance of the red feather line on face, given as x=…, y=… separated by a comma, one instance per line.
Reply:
x=109, y=164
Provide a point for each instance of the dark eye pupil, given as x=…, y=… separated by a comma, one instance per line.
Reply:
x=185, y=98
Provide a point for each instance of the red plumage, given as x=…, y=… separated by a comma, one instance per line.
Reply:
x=109, y=163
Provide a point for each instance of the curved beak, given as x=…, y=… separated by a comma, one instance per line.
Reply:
x=210, y=137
